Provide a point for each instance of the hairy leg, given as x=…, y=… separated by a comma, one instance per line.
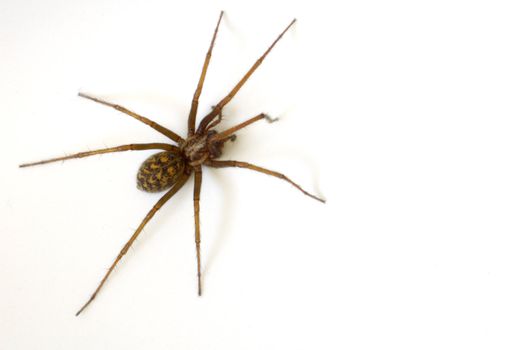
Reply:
x=208, y=118
x=216, y=120
x=197, y=93
x=225, y=134
x=166, y=132
x=139, y=229
x=197, y=196
x=237, y=164
x=132, y=147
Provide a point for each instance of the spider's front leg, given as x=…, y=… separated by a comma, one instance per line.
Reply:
x=210, y=116
x=229, y=133
x=197, y=93
x=215, y=122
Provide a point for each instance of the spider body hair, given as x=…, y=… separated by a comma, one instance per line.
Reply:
x=202, y=146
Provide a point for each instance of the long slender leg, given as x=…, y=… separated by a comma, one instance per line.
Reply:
x=216, y=121
x=234, y=163
x=197, y=197
x=225, y=134
x=132, y=147
x=197, y=93
x=208, y=118
x=132, y=239
x=166, y=132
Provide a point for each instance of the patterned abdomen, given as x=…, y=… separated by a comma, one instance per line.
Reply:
x=160, y=171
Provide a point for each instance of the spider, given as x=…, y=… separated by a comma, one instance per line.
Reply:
x=173, y=166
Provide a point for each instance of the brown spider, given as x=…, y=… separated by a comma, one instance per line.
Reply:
x=171, y=168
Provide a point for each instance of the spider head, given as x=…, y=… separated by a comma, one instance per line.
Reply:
x=200, y=147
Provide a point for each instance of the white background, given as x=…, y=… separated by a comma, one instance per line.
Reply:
x=408, y=116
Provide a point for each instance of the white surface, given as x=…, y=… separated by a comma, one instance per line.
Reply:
x=409, y=117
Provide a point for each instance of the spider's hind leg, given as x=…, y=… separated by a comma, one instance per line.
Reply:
x=132, y=239
x=197, y=196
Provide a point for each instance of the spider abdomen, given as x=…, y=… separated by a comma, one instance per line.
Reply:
x=160, y=171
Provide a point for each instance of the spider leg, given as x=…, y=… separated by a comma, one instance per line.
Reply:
x=210, y=116
x=132, y=239
x=166, y=132
x=195, y=100
x=234, y=163
x=216, y=121
x=225, y=134
x=132, y=147
x=197, y=196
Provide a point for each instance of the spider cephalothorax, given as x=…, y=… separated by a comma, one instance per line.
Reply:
x=171, y=168
x=201, y=147
x=162, y=170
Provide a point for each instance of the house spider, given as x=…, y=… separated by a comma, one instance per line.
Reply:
x=171, y=168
